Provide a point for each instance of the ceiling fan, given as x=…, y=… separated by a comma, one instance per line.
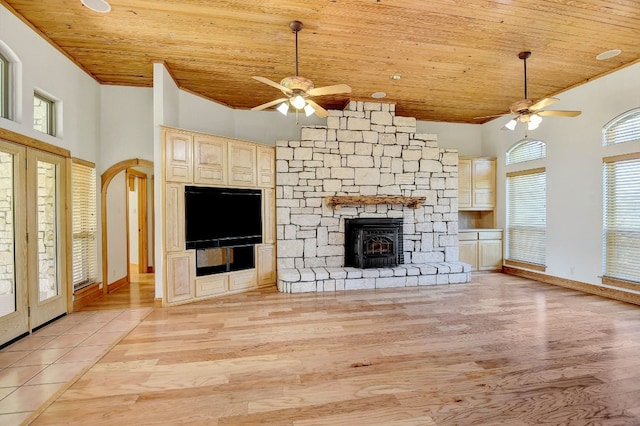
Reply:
x=529, y=112
x=298, y=90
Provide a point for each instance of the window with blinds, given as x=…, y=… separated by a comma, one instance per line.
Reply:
x=526, y=150
x=527, y=216
x=84, y=224
x=621, y=217
x=623, y=128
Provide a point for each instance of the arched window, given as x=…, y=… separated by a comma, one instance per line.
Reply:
x=623, y=128
x=526, y=150
x=4, y=86
x=10, y=71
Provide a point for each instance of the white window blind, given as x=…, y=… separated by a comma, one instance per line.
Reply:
x=526, y=150
x=621, y=218
x=84, y=224
x=623, y=128
x=527, y=216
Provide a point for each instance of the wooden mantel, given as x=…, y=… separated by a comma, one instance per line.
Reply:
x=348, y=200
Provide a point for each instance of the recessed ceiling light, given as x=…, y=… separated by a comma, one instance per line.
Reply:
x=97, y=5
x=378, y=95
x=396, y=76
x=608, y=54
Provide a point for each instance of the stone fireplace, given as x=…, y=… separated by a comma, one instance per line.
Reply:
x=369, y=153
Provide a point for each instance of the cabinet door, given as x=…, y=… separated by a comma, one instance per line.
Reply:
x=242, y=164
x=210, y=160
x=490, y=255
x=178, y=157
x=266, y=167
x=266, y=264
x=268, y=216
x=180, y=279
x=242, y=280
x=468, y=253
x=484, y=179
x=212, y=284
x=174, y=217
x=464, y=183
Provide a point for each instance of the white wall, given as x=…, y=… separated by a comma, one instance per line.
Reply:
x=466, y=138
x=574, y=169
x=126, y=124
x=117, y=220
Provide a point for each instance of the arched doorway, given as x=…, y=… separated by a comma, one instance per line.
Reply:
x=106, y=179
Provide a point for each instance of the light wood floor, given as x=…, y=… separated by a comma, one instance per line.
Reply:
x=500, y=350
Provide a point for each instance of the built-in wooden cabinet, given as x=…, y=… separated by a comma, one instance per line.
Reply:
x=242, y=280
x=201, y=159
x=482, y=249
x=476, y=183
x=268, y=215
x=212, y=285
x=174, y=217
x=180, y=267
x=178, y=157
x=242, y=164
x=266, y=259
x=210, y=165
x=468, y=249
x=193, y=158
x=479, y=243
x=266, y=167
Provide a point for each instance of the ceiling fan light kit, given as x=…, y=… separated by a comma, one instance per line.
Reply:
x=298, y=90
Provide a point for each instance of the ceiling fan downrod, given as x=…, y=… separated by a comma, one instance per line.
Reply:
x=524, y=56
x=296, y=27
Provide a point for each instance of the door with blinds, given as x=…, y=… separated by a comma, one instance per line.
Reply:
x=33, y=277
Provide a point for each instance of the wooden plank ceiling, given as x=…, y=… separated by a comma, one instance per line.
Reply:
x=458, y=59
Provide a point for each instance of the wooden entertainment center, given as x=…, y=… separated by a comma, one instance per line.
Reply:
x=192, y=158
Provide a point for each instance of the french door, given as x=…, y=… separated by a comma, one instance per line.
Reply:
x=33, y=279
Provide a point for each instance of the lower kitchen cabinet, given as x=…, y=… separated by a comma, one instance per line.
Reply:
x=481, y=248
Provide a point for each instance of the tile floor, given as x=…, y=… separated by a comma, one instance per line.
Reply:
x=37, y=369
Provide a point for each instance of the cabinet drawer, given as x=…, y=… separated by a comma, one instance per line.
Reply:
x=467, y=236
x=242, y=280
x=212, y=284
x=490, y=235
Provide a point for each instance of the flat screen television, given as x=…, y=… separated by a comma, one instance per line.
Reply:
x=222, y=217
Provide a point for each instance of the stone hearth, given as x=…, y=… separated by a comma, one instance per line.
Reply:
x=365, y=151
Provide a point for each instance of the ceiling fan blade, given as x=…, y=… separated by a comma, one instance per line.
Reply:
x=269, y=104
x=329, y=90
x=271, y=83
x=320, y=112
x=543, y=103
x=559, y=113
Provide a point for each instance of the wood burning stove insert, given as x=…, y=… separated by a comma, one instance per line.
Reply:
x=373, y=242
